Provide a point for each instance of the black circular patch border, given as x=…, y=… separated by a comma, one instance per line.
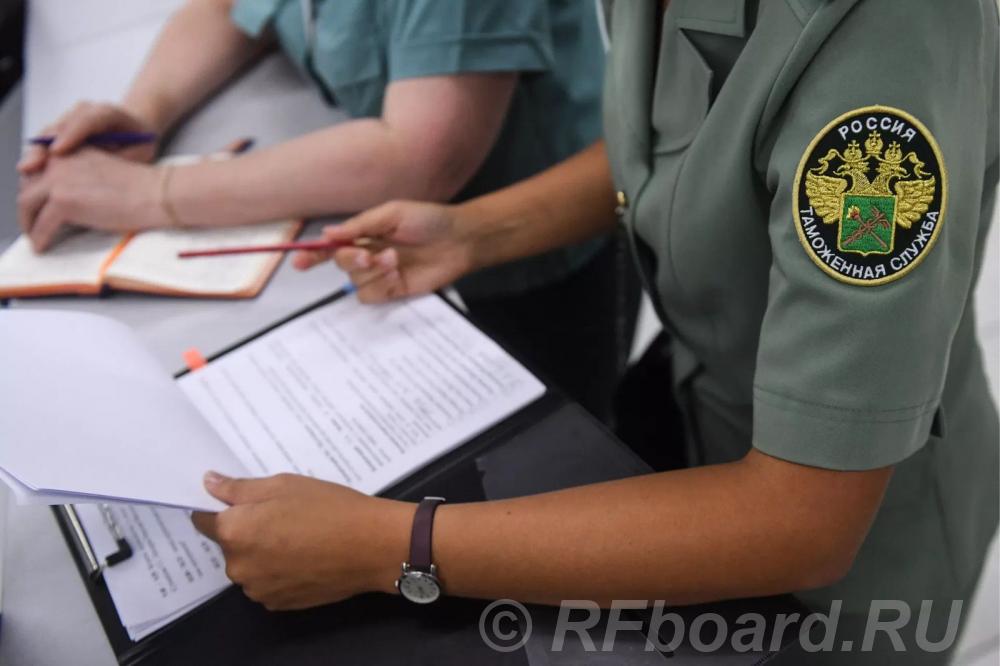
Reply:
x=827, y=138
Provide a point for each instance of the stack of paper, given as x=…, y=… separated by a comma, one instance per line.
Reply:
x=172, y=570
x=354, y=394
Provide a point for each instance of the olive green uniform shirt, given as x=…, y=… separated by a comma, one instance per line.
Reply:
x=784, y=340
x=358, y=47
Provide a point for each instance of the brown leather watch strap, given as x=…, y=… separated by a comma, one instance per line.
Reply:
x=420, y=538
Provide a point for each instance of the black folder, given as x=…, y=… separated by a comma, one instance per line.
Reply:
x=232, y=629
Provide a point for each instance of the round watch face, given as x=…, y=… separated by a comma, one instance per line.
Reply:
x=419, y=587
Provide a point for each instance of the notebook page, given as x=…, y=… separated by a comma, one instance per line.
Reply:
x=362, y=395
x=75, y=260
x=151, y=258
x=98, y=417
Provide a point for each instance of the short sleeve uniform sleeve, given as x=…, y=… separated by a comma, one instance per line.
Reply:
x=359, y=47
x=429, y=37
x=252, y=16
x=876, y=165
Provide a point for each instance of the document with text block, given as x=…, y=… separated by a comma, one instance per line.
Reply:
x=356, y=394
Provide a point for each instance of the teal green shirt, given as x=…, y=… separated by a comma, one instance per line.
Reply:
x=359, y=47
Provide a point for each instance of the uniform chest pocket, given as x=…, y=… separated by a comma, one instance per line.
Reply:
x=349, y=56
x=682, y=92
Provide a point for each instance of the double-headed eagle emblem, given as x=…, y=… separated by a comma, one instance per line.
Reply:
x=899, y=193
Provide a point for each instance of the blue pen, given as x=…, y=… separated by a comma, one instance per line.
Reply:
x=104, y=139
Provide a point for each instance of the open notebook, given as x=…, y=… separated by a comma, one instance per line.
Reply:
x=87, y=262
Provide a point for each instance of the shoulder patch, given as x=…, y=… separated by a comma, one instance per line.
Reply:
x=870, y=195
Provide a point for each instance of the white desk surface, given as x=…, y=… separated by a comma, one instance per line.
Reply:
x=74, y=53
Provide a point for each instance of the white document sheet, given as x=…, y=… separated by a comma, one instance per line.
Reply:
x=358, y=394
x=90, y=413
x=173, y=567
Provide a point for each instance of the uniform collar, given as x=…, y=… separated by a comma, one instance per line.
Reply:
x=723, y=17
x=634, y=62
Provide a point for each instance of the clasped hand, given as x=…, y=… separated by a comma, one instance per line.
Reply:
x=71, y=184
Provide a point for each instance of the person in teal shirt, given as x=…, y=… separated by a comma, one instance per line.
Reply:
x=448, y=100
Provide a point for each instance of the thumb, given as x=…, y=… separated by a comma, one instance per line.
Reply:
x=378, y=223
x=234, y=491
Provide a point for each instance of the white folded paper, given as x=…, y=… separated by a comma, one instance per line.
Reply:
x=360, y=395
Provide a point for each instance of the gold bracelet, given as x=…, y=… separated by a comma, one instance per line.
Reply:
x=168, y=208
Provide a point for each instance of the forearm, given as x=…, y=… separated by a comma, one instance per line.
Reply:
x=341, y=169
x=568, y=203
x=198, y=50
x=692, y=536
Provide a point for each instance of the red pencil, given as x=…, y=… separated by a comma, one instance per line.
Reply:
x=279, y=247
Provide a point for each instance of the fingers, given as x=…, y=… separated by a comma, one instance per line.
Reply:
x=243, y=491
x=362, y=253
x=30, y=200
x=376, y=275
x=364, y=265
x=85, y=119
x=34, y=158
x=378, y=222
x=67, y=132
x=385, y=287
x=72, y=130
x=47, y=225
x=232, y=491
x=304, y=260
x=348, y=259
x=353, y=260
x=207, y=524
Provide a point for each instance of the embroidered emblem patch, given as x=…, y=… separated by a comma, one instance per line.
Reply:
x=870, y=195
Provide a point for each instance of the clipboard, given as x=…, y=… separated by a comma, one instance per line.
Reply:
x=453, y=475
x=551, y=433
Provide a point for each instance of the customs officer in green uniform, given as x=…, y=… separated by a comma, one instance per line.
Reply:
x=808, y=186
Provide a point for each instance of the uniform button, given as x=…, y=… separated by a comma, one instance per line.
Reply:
x=622, y=203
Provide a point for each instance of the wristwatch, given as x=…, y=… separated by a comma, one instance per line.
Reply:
x=419, y=582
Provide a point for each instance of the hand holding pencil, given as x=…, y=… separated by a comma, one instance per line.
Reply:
x=104, y=125
x=396, y=250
